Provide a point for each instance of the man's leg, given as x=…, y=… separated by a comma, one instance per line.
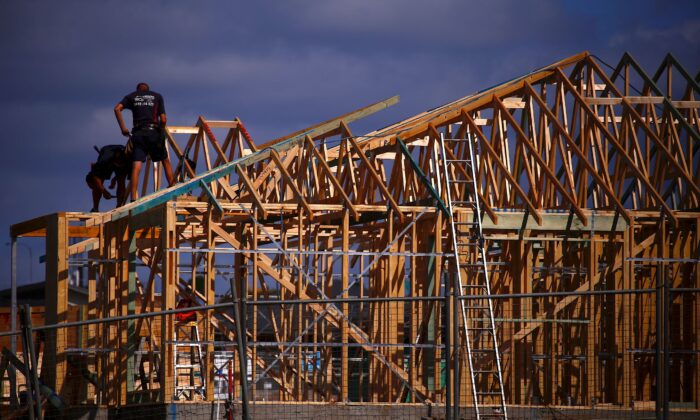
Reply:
x=159, y=153
x=121, y=190
x=168, y=171
x=96, y=187
x=96, y=195
x=135, y=171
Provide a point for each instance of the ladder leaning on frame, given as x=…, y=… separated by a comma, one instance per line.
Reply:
x=474, y=294
x=188, y=362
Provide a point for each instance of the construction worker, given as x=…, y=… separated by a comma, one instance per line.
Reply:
x=188, y=316
x=111, y=159
x=148, y=135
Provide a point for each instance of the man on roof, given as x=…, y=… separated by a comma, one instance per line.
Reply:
x=147, y=135
x=111, y=159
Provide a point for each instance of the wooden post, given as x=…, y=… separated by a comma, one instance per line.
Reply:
x=169, y=288
x=56, y=301
x=345, y=272
x=299, y=309
x=254, y=331
x=433, y=289
x=209, y=299
x=414, y=318
x=695, y=324
x=590, y=378
x=94, y=330
x=629, y=386
x=129, y=250
x=519, y=362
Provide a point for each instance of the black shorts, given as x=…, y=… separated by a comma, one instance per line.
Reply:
x=148, y=143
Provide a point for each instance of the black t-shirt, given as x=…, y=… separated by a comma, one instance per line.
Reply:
x=111, y=160
x=145, y=107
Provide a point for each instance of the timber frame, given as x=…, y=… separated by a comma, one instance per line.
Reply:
x=589, y=180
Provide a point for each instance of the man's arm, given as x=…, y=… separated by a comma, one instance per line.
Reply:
x=120, y=120
x=96, y=184
x=160, y=106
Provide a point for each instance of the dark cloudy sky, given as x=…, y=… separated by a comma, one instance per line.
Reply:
x=278, y=65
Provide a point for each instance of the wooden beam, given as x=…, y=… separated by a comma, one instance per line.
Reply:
x=169, y=286
x=484, y=202
x=290, y=182
x=254, y=194
x=344, y=274
x=323, y=128
x=324, y=166
x=332, y=314
x=56, y=301
x=451, y=112
x=616, y=101
x=30, y=226
x=377, y=179
x=621, y=150
x=547, y=170
x=73, y=232
x=583, y=159
x=489, y=150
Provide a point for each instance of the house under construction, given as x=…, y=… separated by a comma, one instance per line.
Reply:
x=535, y=244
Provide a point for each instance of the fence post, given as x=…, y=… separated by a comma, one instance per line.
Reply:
x=230, y=389
x=667, y=342
x=447, y=307
x=30, y=363
x=659, y=340
x=663, y=342
x=13, y=322
x=241, y=349
x=455, y=346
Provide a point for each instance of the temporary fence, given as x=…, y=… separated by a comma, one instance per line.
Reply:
x=586, y=354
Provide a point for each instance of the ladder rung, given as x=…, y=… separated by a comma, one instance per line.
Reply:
x=458, y=160
x=487, y=393
x=464, y=235
x=189, y=362
x=487, y=263
x=196, y=365
x=480, y=329
x=188, y=387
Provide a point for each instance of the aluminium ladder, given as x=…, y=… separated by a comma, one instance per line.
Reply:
x=476, y=306
x=187, y=355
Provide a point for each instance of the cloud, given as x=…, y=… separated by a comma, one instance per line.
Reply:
x=279, y=65
x=687, y=32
